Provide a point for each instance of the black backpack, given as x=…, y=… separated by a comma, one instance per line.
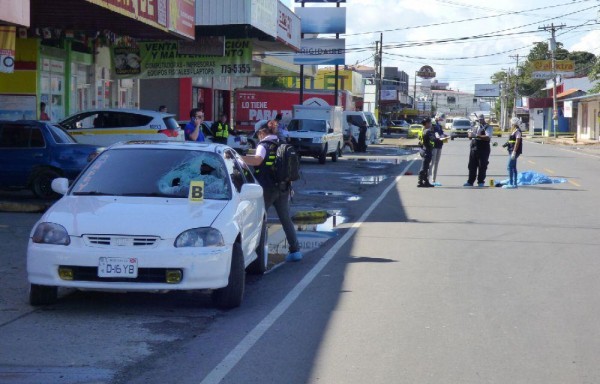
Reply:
x=287, y=163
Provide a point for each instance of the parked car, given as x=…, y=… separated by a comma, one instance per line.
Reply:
x=33, y=153
x=448, y=124
x=109, y=126
x=239, y=141
x=153, y=216
x=460, y=128
x=497, y=131
x=414, y=130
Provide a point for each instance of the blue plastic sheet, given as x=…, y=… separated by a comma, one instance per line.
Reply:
x=533, y=178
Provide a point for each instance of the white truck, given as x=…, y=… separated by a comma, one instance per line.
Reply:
x=317, y=131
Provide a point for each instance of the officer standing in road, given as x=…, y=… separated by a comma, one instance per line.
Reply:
x=221, y=130
x=276, y=194
x=428, y=143
x=480, y=136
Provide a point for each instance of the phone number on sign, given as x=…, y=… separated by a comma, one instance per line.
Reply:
x=236, y=68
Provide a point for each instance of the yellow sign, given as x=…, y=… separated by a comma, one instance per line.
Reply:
x=7, y=48
x=561, y=65
x=196, y=194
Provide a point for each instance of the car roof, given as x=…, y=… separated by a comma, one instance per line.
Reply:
x=147, y=112
x=169, y=144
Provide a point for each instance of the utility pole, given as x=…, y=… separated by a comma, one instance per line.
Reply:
x=376, y=78
x=514, y=114
x=552, y=47
x=380, y=82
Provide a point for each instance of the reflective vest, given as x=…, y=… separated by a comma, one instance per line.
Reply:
x=264, y=172
x=222, y=130
x=512, y=140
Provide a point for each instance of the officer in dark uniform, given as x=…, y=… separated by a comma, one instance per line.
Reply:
x=220, y=130
x=428, y=143
x=479, y=155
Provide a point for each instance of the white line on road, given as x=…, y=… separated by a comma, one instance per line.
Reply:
x=237, y=353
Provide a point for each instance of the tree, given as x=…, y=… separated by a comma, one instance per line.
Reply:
x=272, y=82
x=583, y=62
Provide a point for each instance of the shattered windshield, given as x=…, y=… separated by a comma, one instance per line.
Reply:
x=154, y=172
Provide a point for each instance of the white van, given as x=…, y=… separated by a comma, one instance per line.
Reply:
x=374, y=136
x=317, y=131
x=358, y=118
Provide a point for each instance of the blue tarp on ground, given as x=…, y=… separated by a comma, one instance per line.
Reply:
x=533, y=178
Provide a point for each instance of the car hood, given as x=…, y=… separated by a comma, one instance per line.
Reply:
x=164, y=217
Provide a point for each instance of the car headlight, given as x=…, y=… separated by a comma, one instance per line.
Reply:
x=200, y=237
x=317, y=140
x=51, y=233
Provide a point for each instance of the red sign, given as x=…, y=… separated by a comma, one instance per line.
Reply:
x=152, y=12
x=254, y=105
x=182, y=18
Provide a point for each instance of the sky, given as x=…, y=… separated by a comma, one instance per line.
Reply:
x=444, y=34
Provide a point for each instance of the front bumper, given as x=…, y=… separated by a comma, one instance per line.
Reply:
x=306, y=147
x=202, y=268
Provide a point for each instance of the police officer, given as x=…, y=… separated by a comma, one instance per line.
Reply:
x=480, y=135
x=428, y=142
x=221, y=130
x=274, y=194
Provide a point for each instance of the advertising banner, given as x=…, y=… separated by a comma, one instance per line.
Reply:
x=322, y=20
x=182, y=18
x=288, y=26
x=542, y=69
x=568, y=109
x=487, y=90
x=389, y=94
x=321, y=52
x=7, y=48
x=151, y=12
x=159, y=59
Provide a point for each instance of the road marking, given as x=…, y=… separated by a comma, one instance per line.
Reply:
x=549, y=171
x=230, y=361
x=574, y=183
x=531, y=162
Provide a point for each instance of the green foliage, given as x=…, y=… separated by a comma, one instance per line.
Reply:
x=272, y=82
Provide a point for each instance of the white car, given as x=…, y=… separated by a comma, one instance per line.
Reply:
x=108, y=126
x=152, y=216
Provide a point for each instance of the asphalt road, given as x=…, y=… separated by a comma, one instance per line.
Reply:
x=440, y=285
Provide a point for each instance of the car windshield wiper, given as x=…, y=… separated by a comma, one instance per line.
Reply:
x=151, y=194
x=93, y=193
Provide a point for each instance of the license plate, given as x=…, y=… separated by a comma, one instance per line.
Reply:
x=118, y=267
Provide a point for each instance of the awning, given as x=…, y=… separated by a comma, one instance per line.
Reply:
x=568, y=92
x=83, y=16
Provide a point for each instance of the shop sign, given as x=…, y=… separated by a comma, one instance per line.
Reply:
x=151, y=12
x=182, y=18
x=426, y=72
x=288, y=26
x=542, y=69
x=321, y=52
x=7, y=49
x=568, y=108
x=160, y=59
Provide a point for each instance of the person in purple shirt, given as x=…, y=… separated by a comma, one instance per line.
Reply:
x=193, y=129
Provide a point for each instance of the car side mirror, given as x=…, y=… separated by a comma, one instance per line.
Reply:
x=60, y=185
x=330, y=130
x=251, y=191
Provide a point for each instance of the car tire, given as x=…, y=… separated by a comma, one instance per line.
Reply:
x=259, y=266
x=42, y=294
x=335, y=154
x=323, y=156
x=231, y=296
x=41, y=184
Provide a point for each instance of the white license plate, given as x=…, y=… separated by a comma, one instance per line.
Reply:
x=118, y=267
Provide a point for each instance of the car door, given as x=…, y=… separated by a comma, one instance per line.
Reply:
x=22, y=149
x=245, y=213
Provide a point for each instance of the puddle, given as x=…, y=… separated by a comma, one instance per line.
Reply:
x=311, y=235
x=383, y=160
x=346, y=195
x=366, y=180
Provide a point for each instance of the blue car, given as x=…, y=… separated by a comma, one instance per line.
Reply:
x=33, y=153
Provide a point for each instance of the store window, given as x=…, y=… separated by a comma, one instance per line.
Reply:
x=52, y=90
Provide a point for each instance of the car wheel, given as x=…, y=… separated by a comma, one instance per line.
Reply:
x=231, y=296
x=335, y=154
x=323, y=156
x=259, y=266
x=41, y=184
x=42, y=294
